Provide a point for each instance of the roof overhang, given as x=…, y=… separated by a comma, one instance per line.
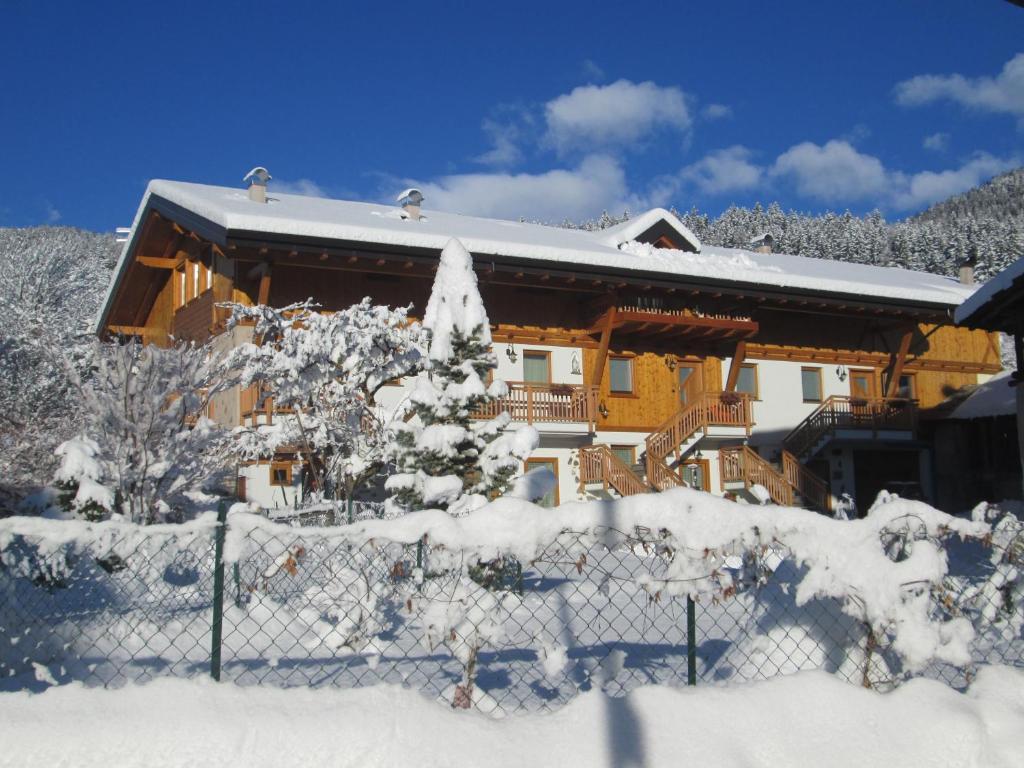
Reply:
x=791, y=298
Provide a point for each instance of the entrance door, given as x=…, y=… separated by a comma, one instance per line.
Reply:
x=695, y=474
x=691, y=382
x=862, y=386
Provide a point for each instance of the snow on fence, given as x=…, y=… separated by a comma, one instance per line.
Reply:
x=513, y=608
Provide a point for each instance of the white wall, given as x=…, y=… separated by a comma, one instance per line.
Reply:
x=780, y=406
x=561, y=362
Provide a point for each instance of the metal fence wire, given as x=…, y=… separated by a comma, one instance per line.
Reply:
x=303, y=607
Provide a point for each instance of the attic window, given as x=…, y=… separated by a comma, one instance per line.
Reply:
x=664, y=242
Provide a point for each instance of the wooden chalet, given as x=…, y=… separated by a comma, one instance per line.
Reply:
x=646, y=359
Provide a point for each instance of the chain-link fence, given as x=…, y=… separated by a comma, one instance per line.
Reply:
x=270, y=605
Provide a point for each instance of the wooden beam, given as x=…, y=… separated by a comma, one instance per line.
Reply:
x=602, y=350
x=898, y=362
x=157, y=262
x=734, y=367
x=133, y=330
x=264, y=295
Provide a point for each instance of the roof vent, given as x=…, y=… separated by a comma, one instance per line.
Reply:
x=258, y=178
x=410, y=200
x=762, y=243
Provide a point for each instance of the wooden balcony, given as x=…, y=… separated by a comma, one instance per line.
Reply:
x=195, y=320
x=865, y=416
x=546, y=404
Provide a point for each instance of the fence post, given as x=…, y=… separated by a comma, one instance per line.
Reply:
x=218, y=591
x=691, y=641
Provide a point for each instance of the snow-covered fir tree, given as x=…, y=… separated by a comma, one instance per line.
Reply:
x=449, y=460
x=327, y=369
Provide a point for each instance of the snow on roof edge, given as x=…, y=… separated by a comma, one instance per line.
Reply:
x=324, y=218
x=987, y=291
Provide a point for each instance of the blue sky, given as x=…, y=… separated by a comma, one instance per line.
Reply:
x=545, y=110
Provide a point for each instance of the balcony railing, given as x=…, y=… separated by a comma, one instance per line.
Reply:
x=545, y=404
x=841, y=412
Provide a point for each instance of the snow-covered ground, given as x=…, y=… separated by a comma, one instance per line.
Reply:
x=810, y=719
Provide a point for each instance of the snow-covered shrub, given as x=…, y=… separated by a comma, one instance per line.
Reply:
x=146, y=445
x=449, y=460
x=327, y=368
x=465, y=619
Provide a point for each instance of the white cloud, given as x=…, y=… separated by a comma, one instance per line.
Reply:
x=927, y=187
x=52, y=214
x=724, y=170
x=936, y=142
x=505, y=137
x=833, y=172
x=621, y=113
x=304, y=187
x=836, y=172
x=592, y=71
x=1003, y=93
x=598, y=183
x=716, y=111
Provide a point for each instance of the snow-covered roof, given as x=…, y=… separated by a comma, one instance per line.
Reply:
x=999, y=283
x=993, y=398
x=284, y=216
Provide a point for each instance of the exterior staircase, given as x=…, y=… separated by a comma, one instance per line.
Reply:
x=599, y=465
x=742, y=465
x=840, y=414
x=674, y=439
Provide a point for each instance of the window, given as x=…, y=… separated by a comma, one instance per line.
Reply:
x=536, y=367
x=280, y=474
x=550, y=499
x=689, y=382
x=810, y=383
x=625, y=453
x=907, y=387
x=620, y=375
x=746, y=382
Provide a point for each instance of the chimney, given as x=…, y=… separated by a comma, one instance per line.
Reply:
x=410, y=200
x=967, y=267
x=257, y=179
x=762, y=243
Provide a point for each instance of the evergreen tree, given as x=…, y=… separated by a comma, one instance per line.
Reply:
x=450, y=460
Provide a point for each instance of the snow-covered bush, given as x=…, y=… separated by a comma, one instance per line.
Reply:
x=146, y=445
x=327, y=368
x=449, y=460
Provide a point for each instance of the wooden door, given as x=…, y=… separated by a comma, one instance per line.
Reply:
x=862, y=390
x=690, y=382
x=695, y=473
x=862, y=384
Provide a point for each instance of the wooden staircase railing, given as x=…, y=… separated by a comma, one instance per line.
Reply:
x=661, y=476
x=846, y=412
x=743, y=464
x=814, y=490
x=599, y=465
x=729, y=409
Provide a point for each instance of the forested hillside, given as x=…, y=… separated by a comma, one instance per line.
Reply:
x=988, y=221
